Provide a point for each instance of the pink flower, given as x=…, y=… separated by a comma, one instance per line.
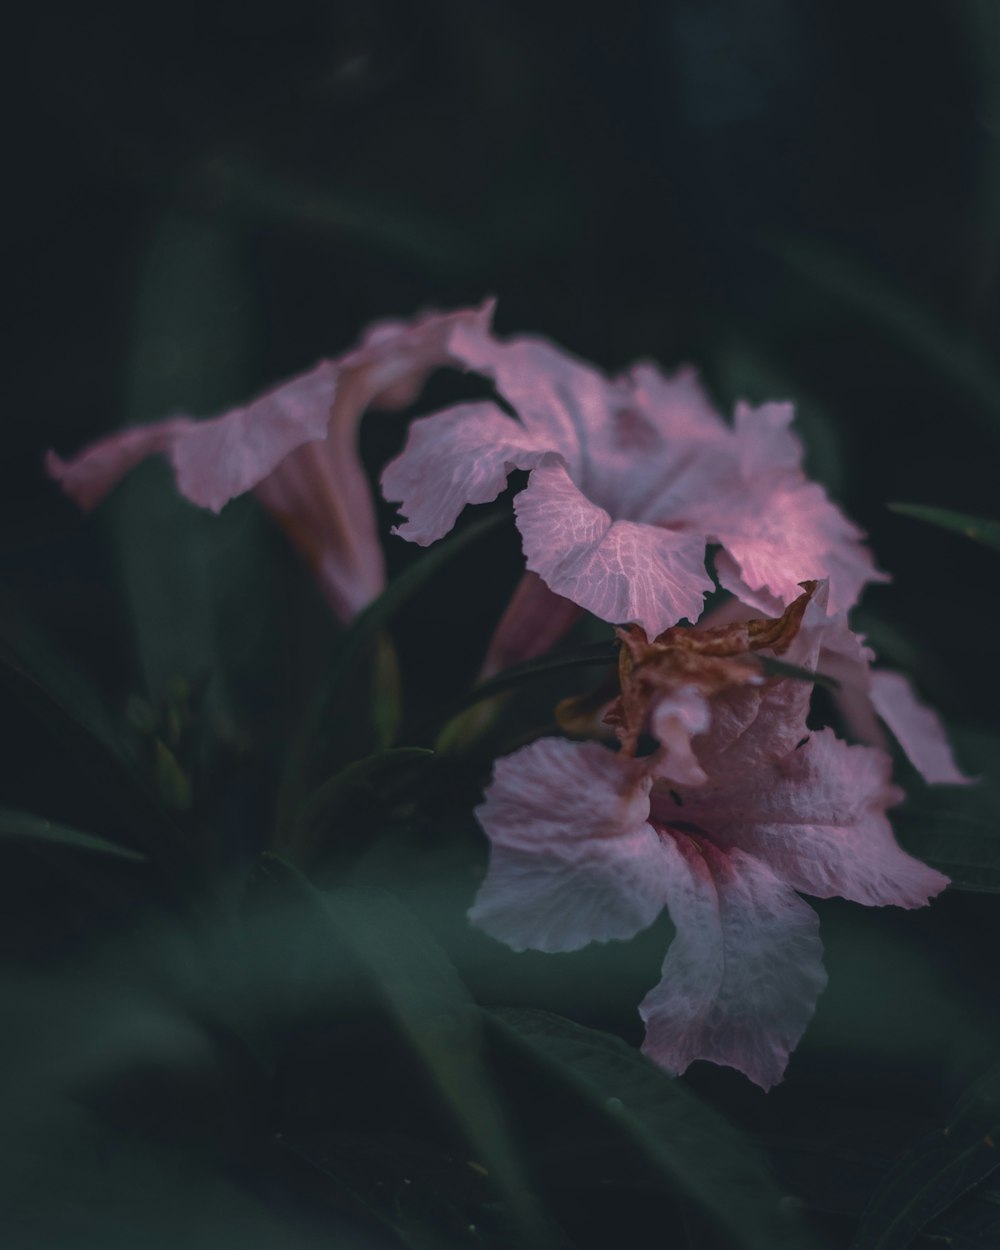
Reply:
x=589, y=845
x=865, y=696
x=296, y=447
x=630, y=478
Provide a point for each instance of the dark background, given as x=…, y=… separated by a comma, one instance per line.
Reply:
x=782, y=193
x=800, y=197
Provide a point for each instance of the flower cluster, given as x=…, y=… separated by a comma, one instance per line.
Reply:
x=737, y=807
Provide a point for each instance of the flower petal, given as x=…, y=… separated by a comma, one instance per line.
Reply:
x=460, y=456
x=619, y=570
x=573, y=859
x=817, y=818
x=676, y=718
x=786, y=533
x=755, y=725
x=916, y=727
x=223, y=457
x=742, y=975
x=561, y=400
x=534, y=620
x=781, y=529
x=89, y=476
x=307, y=495
x=397, y=355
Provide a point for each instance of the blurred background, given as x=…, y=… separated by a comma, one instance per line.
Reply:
x=800, y=197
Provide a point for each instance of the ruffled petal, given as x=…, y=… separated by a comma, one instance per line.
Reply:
x=97, y=470
x=457, y=457
x=785, y=533
x=916, y=727
x=573, y=859
x=562, y=401
x=742, y=975
x=223, y=457
x=677, y=403
x=396, y=356
x=780, y=529
x=618, y=570
x=817, y=819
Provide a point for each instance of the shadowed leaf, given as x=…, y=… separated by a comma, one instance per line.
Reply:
x=38, y=829
x=983, y=531
x=690, y=1146
x=931, y=1177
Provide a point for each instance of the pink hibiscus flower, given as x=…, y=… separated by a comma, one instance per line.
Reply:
x=590, y=845
x=630, y=478
x=296, y=447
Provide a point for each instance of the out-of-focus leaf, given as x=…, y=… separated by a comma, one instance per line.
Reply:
x=413, y=236
x=594, y=655
x=38, y=829
x=958, y=359
x=932, y=1176
x=774, y=667
x=26, y=648
x=112, y=771
x=964, y=846
x=957, y=828
x=356, y=642
x=348, y=808
x=431, y=1009
x=191, y=353
x=432, y=1200
x=983, y=531
x=377, y=775
x=387, y=693
x=687, y=1144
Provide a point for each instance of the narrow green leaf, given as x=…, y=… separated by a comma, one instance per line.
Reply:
x=594, y=655
x=982, y=530
x=358, y=641
x=100, y=751
x=691, y=1147
x=38, y=829
x=774, y=667
x=377, y=775
x=414, y=236
x=191, y=351
x=961, y=844
x=432, y=1010
x=930, y=1178
x=958, y=359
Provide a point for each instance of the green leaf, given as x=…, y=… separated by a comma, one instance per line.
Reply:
x=957, y=828
x=957, y=358
x=377, y=776
x=414, y=236
x=347, y=809
x=191, y=351
x=930, y=1178
x=431, y=1199
x=423, y=995
x=594, y=655
x=774, y=667
x=357, y=642
x=694, y=1151
x=38, y=829
x=983, y=531
x=961, y=844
